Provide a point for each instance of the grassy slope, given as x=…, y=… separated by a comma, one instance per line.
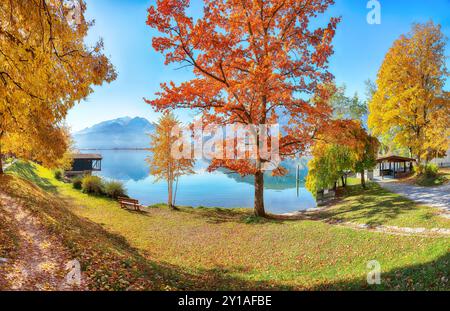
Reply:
x=108, y=261
x=442, y=178
x=219, y=249
x=377, y=206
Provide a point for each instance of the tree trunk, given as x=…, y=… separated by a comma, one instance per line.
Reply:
x=170, y=187
x=175, y=192
x=259, y=194
x=1, y=156
x=343, y=181
x=170, y=190
x=363, y=180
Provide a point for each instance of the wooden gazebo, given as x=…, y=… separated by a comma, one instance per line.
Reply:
x=395, y=166
x=85, y=163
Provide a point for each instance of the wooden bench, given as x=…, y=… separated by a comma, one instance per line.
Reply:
x=127, y=202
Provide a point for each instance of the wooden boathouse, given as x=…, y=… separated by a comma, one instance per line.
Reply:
x=85, y=164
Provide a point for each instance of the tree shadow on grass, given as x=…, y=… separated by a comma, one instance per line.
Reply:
x=434, y=275
x=226, y=215
x=374, y=206
x=107, y=259
x=164, y=275
x=27, y=171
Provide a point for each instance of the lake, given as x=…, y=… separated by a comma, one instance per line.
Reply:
x=217, y=189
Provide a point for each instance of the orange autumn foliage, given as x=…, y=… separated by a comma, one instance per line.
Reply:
x=254, y=62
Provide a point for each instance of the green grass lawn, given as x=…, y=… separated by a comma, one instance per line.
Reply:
x=222, y=248
x=352, y=181
x=377, y=206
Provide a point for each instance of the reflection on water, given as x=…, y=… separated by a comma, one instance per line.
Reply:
x=218, y=189
x=124, y=165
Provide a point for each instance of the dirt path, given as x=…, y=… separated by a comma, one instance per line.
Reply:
x=41, y=259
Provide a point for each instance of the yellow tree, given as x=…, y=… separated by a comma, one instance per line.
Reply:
x=164, y=165
x=343, y=146
x=45, y=69
x=409, y=103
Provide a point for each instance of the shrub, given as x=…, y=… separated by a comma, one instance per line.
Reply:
x=429, y=170
x=9, y=160
x=59, y=174
x=115, y=189
x=77, y=183
x=92, y=185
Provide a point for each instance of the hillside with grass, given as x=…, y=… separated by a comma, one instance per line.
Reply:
x=434, y=179
x=220, y=248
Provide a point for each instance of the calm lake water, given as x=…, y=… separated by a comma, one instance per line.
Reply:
x=218, y=189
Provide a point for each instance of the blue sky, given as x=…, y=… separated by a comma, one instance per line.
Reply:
x=359, y=51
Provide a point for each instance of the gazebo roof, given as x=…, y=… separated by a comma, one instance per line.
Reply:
x=86, y=156
x=394, y=158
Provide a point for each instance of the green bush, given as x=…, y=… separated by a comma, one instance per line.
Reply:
x=429, y=170
x=59, y=174
x=92, y=185
x=115, y=189
x=77, y=183
x=9, y=160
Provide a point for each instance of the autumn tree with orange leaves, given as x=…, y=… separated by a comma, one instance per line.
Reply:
x=45, y=69
x=255, y=62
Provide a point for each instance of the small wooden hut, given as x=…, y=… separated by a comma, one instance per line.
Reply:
x=85, y=164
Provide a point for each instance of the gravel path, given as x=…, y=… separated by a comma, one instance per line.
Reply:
x=41, y=258
x=435, y=232
x=438, y=197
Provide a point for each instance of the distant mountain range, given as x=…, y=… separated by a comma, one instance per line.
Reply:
x=115, y=134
